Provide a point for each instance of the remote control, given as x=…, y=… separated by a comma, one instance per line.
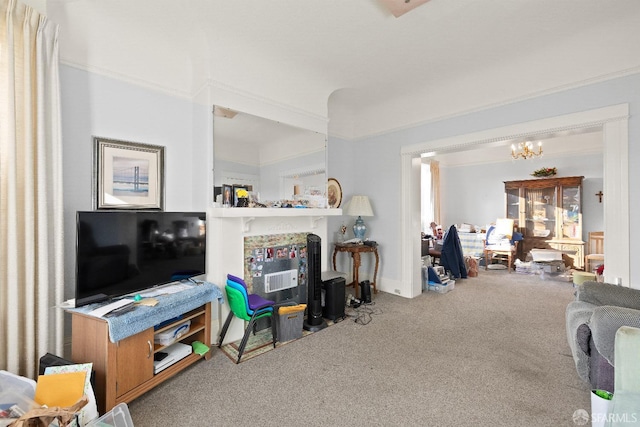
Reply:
x=118, y=311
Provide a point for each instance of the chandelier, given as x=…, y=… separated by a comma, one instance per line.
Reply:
x=525, y=150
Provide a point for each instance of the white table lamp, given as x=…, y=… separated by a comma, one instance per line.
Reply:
x=359, y=206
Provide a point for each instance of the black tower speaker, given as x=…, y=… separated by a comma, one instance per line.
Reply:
x=314, y=321
x=334, y=298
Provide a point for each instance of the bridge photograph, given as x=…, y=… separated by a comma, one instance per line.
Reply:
x=130, y=177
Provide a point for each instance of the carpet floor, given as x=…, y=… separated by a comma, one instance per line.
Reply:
x=492, y=352
x=259, y=344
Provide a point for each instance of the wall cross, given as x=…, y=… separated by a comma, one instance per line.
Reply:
x=600, y=194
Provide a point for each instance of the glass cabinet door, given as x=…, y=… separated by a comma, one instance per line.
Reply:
x=540, y=212
x=570, y=214
x=513, y=204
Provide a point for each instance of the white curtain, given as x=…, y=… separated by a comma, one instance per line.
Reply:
x=426, y=209
x=31, y=223
x=434, y=167
x=430, y=194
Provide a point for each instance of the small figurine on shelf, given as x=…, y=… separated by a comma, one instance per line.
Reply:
x=342, y=233
x=243, y=198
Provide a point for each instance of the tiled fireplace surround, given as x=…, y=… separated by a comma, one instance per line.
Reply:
x=229, y=228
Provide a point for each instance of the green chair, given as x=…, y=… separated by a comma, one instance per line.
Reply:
x=238, y=305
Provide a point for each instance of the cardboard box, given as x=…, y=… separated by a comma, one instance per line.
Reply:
x=550, y=267
x=545, y=255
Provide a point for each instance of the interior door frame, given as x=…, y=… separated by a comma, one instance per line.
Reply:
x=614, y=122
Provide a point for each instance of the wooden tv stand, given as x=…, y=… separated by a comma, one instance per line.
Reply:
x=124, y=370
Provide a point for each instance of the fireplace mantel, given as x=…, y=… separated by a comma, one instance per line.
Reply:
x=249, y=215
x=271, y=212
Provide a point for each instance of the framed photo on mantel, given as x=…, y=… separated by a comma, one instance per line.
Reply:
x=127, y=175
x=334, y=193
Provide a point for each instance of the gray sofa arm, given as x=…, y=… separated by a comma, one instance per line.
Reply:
x=605, y=322
x=578, y=313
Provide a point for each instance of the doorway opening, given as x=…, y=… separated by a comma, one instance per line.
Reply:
x=612, y=121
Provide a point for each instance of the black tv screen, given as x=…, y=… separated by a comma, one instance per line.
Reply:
x=123, y=252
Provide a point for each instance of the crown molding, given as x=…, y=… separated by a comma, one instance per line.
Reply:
x=128, y=79
x=215, y=92
x=210, y=90
x=591, y=119
x=532, y=95
x=206, y=93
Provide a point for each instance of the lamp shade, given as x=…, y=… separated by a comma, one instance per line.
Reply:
x=359, y=206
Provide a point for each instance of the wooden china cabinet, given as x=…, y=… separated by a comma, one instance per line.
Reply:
x=548, y=212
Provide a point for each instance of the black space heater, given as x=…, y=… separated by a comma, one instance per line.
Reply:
x=365, y=292
x=314, y=321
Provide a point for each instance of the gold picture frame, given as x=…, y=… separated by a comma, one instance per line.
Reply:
x=127, y=175
x=334, y=193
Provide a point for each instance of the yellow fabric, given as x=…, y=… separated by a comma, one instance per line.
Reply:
x=291, y=309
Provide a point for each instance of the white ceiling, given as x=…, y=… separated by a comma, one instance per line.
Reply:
x=352, y=60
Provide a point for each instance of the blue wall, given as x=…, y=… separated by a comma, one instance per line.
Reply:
x=377, y=171
x=475, y=194
x=94, y=105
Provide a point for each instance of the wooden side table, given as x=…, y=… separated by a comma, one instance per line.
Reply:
x=355, y=250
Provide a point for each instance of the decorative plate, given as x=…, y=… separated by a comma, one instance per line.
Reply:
x=334, y=193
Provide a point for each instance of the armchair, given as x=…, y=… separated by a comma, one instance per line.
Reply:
x=624, y=405
x=501, y=242
x=592, y=321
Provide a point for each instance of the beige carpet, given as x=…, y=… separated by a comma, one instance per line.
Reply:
x=259, y=344
x=492, y=352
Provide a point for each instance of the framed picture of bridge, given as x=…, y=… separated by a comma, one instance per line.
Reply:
x=127, y=175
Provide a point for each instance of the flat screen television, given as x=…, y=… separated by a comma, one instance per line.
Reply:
x=123, y=252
